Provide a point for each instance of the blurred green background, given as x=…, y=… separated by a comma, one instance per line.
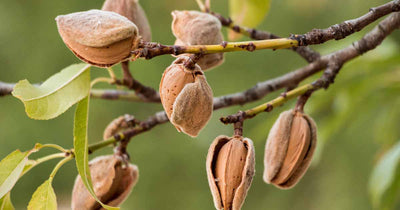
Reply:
x=358, y=117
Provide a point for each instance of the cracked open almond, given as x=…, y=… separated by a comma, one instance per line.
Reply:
x=289, y=149
x=186, y=97
x=98, y=37
x=198, y=28
x=230, y=171
x=112, y=183
x=132, y=10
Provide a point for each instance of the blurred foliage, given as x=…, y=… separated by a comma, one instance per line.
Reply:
x=385, y=180
x=358, y=116
x=249, y=13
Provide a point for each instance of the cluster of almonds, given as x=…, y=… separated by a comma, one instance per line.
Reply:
x=106, y=37
x=185, y=94
x=288, y=153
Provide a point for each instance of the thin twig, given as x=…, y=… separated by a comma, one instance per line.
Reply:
x=147, y=94
x=305, y=52
x=150, y=50
x=348, y=27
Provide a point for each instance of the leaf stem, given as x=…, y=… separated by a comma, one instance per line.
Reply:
x=55, y=146
x=101, y=79
x=43, y=159
x=101, y=144
x=58, y=166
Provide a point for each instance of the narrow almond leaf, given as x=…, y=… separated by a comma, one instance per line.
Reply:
x=11, y=169
x=384, y=185
x=81, y=148
x=5, y=203
x=56, y=94
x=247, y=13
x=44, y=197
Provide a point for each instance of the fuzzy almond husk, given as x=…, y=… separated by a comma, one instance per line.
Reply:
x=232, y=153
x=301, y=170
x=132, y=10
x=186, y=97
x=282, y=169
x=98, y=37
x=112, y=183
x=198, y=28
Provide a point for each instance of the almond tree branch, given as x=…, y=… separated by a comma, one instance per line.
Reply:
x=332, y=62
x=368, y=42
x=108, y=94
x=145, y=93
x=305, y=52
x=348, y=27
x=150, y=50
x=6, y=88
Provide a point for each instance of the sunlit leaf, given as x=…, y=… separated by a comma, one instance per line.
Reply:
x=43, y=198
x=56, y=94
x=5, y=203
x=247, y=13
x=81, y=147
x=384, y=185
x=11, y=168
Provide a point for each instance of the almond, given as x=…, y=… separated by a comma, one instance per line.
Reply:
x=132, y=10
x=98, y=37
x=289, y=149
x=198, y=28
x=230, y=170
x=186, y=97
x=112, y=183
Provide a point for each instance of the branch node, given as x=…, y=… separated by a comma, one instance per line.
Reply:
x=300, y=38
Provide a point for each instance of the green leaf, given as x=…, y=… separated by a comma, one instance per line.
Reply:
x=5, y=203
x=247, y=13
x=56, y=94
x=384, y=185
x=11, y=168
x=81, y=147
x=43, y=198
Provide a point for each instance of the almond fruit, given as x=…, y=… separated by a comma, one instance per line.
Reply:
x=132, y=10
x=289, y=149
x=230, y=170
x=100, y=38
x=112, y=183
x=186, y=97
x=198, y=28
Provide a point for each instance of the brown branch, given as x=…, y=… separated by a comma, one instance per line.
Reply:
x=332, y=62
x=307, y=53
x=6, y=88
x=346, y=28
x=147, y=94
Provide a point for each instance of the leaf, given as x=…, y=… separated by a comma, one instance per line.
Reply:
x=384, y=185
x=44, y=197
x=247, y=13
x=56, y=94
x=11, y=169
x=5, y=203
x=81, y=147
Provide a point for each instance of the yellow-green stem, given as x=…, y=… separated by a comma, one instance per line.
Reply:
x=58, y=166
x=243, y=46
x=43, y=159
x=280, y=100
